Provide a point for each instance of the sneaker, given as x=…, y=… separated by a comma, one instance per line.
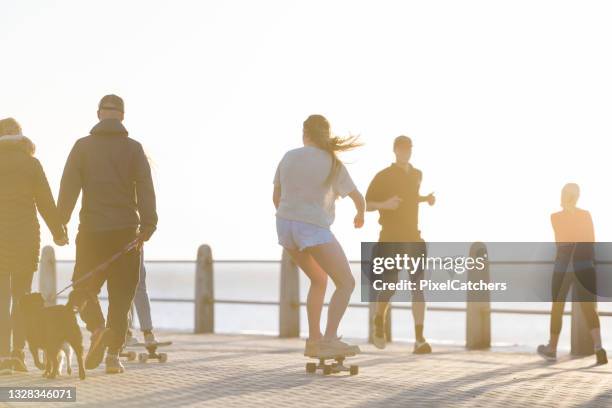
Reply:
x=312, y=348
x=547, y=353
x=149, y=339
x=131, y=340
x=99, y=341
x=378, y=332
x=421, y=347
x=113, y=365
x=337, y=348
x=19, y=361
x=602, y=357
x=6, y=366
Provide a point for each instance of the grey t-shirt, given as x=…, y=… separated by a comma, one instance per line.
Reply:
x=305, y=196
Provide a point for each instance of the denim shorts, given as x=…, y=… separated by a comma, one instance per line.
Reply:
x=301, y=235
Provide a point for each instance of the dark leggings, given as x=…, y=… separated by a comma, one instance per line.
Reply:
x=584, y=282
x=12, y=287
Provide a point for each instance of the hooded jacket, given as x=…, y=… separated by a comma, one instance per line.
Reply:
x=23, y=190
x=114, y=175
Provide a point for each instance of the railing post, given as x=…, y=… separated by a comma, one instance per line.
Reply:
x=372, y=314
x=204, y=292
x=47, y=277
x=582, y=343
x=289, y=304
x=478, y=308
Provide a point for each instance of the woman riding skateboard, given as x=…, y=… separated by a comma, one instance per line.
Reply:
x=308, y=181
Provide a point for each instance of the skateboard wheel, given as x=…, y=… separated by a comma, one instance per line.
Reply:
x=327, y=370
x=131, y=355
x=143, y=357
x=354, y=370
x=163, y=357
x=311, y=368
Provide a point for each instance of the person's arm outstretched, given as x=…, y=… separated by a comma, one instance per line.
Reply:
x=376, y=196
x=430, y=198
x=390, y=204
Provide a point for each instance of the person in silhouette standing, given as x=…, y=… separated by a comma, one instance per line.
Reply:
x=575, y=238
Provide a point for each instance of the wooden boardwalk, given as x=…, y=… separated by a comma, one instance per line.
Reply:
x=259, y=371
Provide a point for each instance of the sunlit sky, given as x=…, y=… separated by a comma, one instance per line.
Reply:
x=505, y=102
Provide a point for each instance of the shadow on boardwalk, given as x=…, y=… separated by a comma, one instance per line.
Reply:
x=223, y=370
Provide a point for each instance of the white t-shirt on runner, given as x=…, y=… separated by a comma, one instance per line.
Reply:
x=305, y=196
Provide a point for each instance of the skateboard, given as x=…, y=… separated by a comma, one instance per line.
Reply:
x=334, y=368
x=150, y=354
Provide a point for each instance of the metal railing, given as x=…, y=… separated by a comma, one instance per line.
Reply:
x=522, y=311
x=478, y=332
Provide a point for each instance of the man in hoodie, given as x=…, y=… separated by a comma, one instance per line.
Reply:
x=117, y=207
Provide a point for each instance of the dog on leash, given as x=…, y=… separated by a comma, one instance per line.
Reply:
x=53, y=329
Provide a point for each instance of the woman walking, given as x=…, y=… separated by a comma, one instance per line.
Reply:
x=575, y=237
x=23, y=190
x=308, y=181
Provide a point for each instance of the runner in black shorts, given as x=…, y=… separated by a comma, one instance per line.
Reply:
x=394, y=193
x=389, y=250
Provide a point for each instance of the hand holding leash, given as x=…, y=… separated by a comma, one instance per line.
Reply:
x=129, y=247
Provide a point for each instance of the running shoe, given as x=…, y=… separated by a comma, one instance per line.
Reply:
x=602, y=357
x=312, y=348
x=99, y=341
x=421, y=347
x=336, y=348
x=149, y=339
x=131, y=340
x=113, y=365
x=547, y=353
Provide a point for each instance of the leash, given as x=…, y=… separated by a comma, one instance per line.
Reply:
x=103, y=265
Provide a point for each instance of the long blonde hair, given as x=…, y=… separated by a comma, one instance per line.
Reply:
x=318, y=130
